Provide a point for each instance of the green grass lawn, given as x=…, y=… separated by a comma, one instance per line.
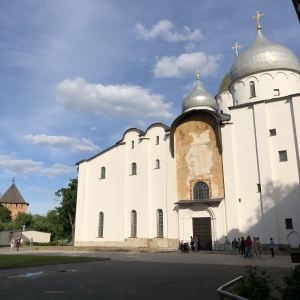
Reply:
x=15, y=259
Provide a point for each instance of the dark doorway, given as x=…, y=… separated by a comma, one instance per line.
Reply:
x=202, y=229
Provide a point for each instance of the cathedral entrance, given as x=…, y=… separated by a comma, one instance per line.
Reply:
x=202, y=229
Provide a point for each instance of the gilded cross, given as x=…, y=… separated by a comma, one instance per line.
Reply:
x=257, y=16
x=236, y=46
x=197, y=75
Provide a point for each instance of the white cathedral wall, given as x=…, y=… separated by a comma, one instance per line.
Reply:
x=266, y=86
x=224, y=101
x=250, y=156
x=121, y=192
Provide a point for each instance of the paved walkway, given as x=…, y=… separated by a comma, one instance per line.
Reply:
x=208, y=258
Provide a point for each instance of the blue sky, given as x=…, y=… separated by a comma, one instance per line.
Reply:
x=76, y=74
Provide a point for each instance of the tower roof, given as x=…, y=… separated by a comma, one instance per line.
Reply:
x=198, y=97
x=12, y=195
x=263, y=55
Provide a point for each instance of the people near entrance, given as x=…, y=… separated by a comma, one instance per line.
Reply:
x=12, y=244
x=227, y=242
x=242, y=246
x=192, y=243
x=257, y=247
x=248, y=247
x=234, y=246
x=18, y=241
x=239, y=245
x=272, y=246
x=196, y=244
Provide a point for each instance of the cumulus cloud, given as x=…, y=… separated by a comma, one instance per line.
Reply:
x=172, y=66
x=74, y=144
x=163, y=30
x=30, y=167
x=112, y=100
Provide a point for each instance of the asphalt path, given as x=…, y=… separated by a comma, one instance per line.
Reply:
x=132, y=275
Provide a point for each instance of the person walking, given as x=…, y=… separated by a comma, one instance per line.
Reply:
x=12, y=244
x=31, y=244
x=248, y=246
x=272, y=246
x=226, y=245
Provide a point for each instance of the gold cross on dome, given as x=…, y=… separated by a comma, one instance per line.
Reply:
x=257, y=16
x=236, y=46
x=197, y=75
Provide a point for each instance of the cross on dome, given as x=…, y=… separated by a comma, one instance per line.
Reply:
x=257, y=16
x=236, y=46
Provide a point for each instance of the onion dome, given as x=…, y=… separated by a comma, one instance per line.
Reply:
x=224, y=86
x=198, y=97
x=263, y=55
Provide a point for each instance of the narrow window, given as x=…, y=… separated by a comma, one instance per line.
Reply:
x=101, y=222
x=201, y=191
x=103, y=173
x=252, y=89
x=289, y=223
x=133, y=223
x=133, y=169
x=157, y=164
x=236, y=102
x=282, y=155
x=16, y=206
x=276, y=92
x=157, y=140
x=272, y=132
x=160, y=223
x=258, y=188
x=132, y=144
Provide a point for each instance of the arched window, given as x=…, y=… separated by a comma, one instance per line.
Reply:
x=252, y=89
x=160, y=223
x=201, y=191
x=103, y=173
x=132, y=144
x=133, y=169
x=133, y=223
x=157, y=164
x=157, y=140
x=100, y=226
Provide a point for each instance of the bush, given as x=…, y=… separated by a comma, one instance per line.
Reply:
x=42, y=244
x=254, y=286
x=291, y=289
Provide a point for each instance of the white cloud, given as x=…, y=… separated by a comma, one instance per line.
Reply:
x=74, y=144
x=112, y=100
x=172, y=66
x=58, y=169
x=163, y=30
x=29, y=167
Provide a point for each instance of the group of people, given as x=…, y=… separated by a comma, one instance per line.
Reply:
x=193, y=246
x=16, y=244
x=245, y=246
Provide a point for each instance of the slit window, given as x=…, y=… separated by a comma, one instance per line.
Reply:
x=252, y=89
x=272, y=132
x=157, y=164
x=133, y=223
x=100, y=226
x=132, y=144
x=103, y=171
x=157, y=140
x=133, y=169
x=160, y=223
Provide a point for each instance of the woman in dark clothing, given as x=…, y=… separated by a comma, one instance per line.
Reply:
x=242, y=246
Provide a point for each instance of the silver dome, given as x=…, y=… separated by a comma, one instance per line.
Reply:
x=198, y=97
x=263, y=55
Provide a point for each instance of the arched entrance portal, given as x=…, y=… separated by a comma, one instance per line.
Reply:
x=202, y=230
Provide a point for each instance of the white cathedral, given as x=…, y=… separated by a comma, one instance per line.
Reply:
x=227, y=166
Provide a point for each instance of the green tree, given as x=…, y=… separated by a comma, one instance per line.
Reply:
x=5, y=214
x=23, y=219
x=67, y=208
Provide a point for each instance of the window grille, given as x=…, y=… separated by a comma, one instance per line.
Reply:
x=201, y=191
x=133, y=223
x=282, y=155
x=101, y=222
x=133, y=169
x=160, y=223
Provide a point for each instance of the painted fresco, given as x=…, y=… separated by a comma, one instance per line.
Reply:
x=198, y=156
